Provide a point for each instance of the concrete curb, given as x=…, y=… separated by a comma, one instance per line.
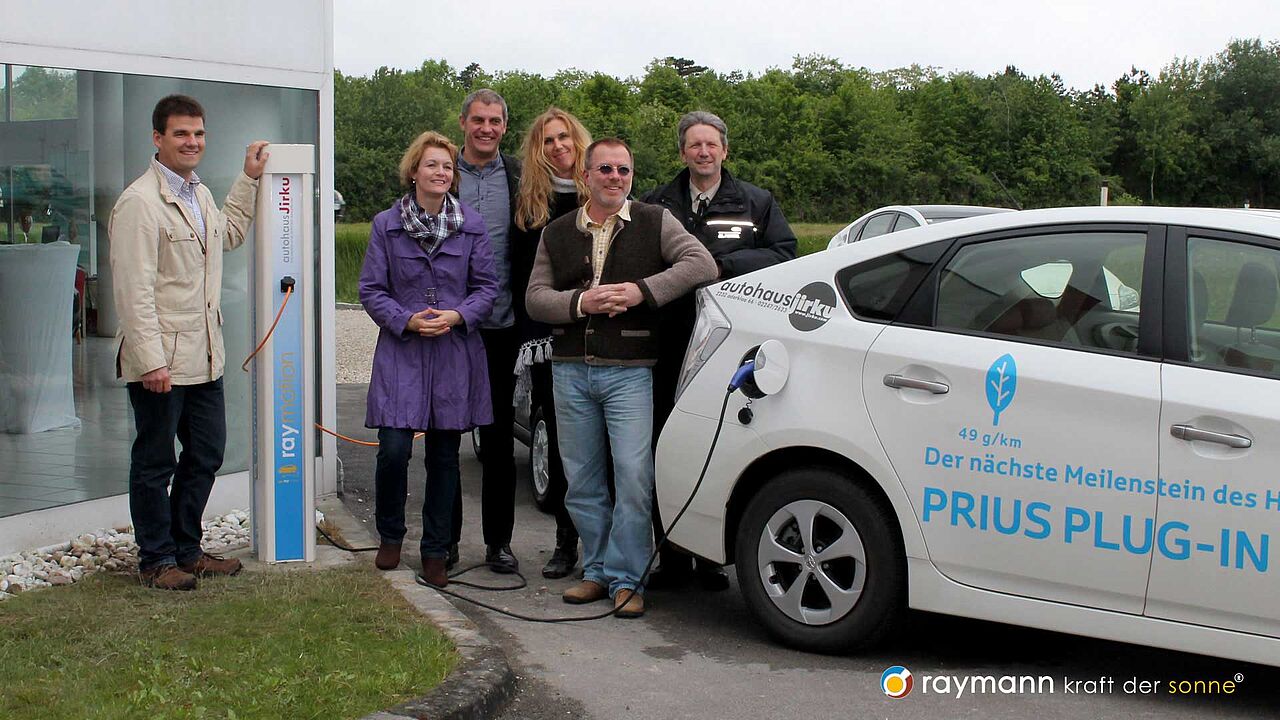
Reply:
x=481, y=683
x=349, y=306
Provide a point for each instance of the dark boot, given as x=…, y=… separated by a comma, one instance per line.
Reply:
x=565, y=555
x=434, y=573
x=675, y=572
x=388, y=557
x=452, y=560
x=501, y=560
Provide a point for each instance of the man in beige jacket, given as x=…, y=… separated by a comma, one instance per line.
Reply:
x=167, y=240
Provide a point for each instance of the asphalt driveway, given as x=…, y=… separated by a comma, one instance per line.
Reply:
x=697, y=655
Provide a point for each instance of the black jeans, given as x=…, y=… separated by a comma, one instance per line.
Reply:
x=391, y=480
x=497, y=445
x=166, y=522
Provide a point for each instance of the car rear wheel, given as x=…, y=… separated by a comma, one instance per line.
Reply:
x=819, y=562
x=546, y=487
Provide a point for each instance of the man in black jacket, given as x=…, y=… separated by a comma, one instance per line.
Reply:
x=744, y=229
x=487, y=181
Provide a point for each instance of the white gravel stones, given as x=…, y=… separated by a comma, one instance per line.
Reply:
x=103, y=550
x=355, y=337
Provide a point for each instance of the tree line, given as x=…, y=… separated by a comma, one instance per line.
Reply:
x=832, y=141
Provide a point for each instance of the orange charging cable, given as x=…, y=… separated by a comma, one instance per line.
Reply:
x=245, y=367
x=287, y=292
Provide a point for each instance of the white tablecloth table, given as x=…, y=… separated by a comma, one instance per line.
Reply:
x=37, y=284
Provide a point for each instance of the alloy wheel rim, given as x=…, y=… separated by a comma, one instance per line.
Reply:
x=811, y=562
x=539, y=458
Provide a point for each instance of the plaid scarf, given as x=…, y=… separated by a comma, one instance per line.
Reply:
x=430, y=230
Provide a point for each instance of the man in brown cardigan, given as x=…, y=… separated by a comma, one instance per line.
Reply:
x=599, y=276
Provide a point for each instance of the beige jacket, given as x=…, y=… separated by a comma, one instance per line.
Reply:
x=168, y=288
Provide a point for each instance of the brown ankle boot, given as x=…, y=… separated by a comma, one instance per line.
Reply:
x=388, y=557
x=434, y=573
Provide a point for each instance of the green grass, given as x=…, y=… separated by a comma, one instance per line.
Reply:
x=813, y=237
x=269, y=644
x=350, y=240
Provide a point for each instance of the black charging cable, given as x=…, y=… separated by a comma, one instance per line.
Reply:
x=618, y=606
x=742, y=377
x=523, y=581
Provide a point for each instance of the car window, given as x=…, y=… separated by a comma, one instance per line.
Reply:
x=905, y=222
x=877, y=225
x=877, y=289
x=1071, y=288
x=1232, y=305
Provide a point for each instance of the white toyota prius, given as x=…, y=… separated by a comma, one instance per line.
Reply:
x=1067, y=419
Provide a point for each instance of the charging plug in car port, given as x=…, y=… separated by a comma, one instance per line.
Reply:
x=744, y=378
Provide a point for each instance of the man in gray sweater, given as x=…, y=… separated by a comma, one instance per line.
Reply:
x=599, y=276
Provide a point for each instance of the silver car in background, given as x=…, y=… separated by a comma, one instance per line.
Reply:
x=894, y=218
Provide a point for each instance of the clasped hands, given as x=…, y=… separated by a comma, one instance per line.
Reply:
x=432, y=322
x=611, y=299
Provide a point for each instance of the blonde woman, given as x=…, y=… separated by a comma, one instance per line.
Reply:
x=428, y=282
x=551, y=185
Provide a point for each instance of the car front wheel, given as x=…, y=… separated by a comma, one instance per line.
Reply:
x=819, y=562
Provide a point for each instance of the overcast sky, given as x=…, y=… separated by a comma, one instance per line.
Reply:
x=1084, y=41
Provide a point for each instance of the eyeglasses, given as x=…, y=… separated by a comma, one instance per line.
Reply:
x=607, y=169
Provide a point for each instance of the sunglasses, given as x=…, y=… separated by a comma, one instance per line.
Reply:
x=607, y=169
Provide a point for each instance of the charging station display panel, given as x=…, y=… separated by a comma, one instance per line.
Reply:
x=288, y=428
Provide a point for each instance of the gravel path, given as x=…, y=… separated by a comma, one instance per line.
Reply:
x=355, y=337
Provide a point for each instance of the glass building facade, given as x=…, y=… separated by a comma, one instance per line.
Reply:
x=70, y=141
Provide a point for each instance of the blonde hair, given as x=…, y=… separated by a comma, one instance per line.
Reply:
x=533, y=200
x=413, y=156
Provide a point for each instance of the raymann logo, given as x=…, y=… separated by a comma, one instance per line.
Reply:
x=896, y=682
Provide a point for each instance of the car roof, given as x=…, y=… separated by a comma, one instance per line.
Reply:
x=932, y=212
x=1254, y=222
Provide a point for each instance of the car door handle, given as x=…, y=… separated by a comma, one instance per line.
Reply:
x=902, y=381
x=1187, y=432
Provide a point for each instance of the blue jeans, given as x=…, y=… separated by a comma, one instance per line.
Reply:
x=591, y=401
x=166, y=520
x=391, y=485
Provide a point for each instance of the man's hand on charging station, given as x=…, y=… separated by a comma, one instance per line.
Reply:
x=255, y=158
x=433, y=323
x=157, y=381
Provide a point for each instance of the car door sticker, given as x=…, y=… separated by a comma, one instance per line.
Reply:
x=998, y=462
x=1002, y=383
x=808, y=309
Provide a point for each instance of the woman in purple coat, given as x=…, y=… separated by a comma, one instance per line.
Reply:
x=427, y=281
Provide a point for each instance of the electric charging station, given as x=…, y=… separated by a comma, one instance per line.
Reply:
x=284, y=448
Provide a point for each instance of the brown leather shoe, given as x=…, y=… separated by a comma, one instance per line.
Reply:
x=388, y=557
x=585, y=592
x=628, y=604
x=168, y=577
x=434, y=573
x=207, y=564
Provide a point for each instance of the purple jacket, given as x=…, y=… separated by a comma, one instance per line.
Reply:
x=424, y=383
